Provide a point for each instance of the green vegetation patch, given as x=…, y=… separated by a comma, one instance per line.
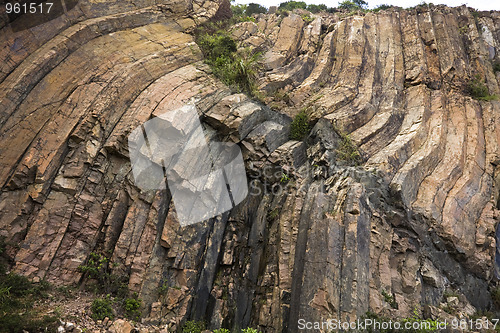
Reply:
x=478, y=90
x=17, y=299
x=299, y=128
x=222, y=330
x=117, y=296
x=102, y=308
x=237, y=69
x=291, y=5
x=193, y=327
x=353, y=4
x=97, y=269
x=132, y=307
x=389, y=298
x=496, y=67
x=347, y=150
x=18, y=296
x=249, y=330
x=381, y=7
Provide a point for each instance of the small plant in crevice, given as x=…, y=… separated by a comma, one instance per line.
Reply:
x=284, y=178
x=477, y=89
x=132, y=307
x=347, y=150
x=495, y=295
x=496, y=66
x=18, y=297
x=281, y=96
x=299, y=128
x=163, y=289
x=307, y=19
x=222, y=330
x=249, y=330
x=389, y=298
x=463, y=30
x=193, y=327
x=273, y=214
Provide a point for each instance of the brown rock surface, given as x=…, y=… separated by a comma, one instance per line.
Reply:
x=416, y=218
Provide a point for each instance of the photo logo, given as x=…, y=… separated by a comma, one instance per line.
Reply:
x=26, y=14
x=205, y=178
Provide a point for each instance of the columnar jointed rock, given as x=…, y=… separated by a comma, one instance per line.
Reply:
x=315, y=238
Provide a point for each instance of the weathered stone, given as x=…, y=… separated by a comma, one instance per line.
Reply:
x=320, y=236
x=120, y=326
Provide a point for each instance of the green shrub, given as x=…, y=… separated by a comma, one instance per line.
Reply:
x=255, y=8
x=244, y=12
x=291, y=5
x=347, y=150
x=299, y=128
x=101, y=308
x=193, y=327
x=238, y=10
x=163, y=289
x=97, y=268
x=27, y=321
x=317, y=8
x=381, y=7
x=307, y=19
x=284, y=178
x=222, y=330
x=353, y=5
x=495, y=295
x=247, y=19
x=132, y=307
x=496, y=67
x=15, y=285
x=478, y=90
x=249, y=330
x=17, y=300
x=236, y=69
x=217, y=45
x=389, y=298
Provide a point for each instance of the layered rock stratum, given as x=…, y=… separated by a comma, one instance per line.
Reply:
x=414, y=220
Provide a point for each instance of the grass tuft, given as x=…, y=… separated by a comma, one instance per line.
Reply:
x=236, y=68
x=299, y=128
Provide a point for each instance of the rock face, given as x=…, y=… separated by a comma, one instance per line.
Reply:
x=316, y=237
